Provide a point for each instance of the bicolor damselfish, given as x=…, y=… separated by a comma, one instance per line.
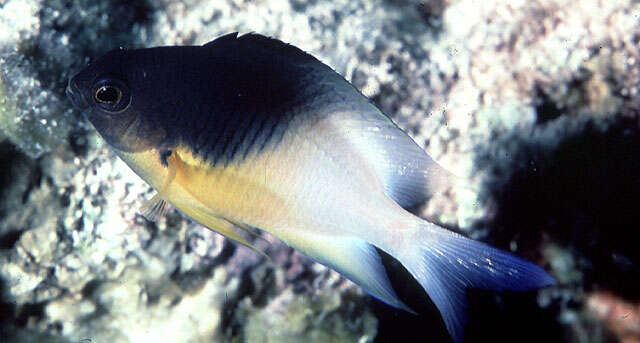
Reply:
x=249, y=132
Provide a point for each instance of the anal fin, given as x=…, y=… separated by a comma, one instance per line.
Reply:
x=219, y=225
x=354, y=259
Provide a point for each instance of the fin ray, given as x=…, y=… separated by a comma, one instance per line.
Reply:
x=155, y=208
x=407, y=174
x=446, y=264
x=221, y=226
x=354, y=259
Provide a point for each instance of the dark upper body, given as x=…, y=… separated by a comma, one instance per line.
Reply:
x=239, y=95
x=222, y=99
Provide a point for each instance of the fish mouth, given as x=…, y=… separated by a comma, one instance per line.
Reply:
x=76, y=97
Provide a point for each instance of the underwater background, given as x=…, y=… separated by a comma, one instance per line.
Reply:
x=536, y=102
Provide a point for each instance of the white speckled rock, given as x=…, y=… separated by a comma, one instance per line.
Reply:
x=467, y=79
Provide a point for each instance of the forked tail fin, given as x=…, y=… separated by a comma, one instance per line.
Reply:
x=446, y=264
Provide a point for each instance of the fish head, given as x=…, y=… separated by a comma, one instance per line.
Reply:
x=115, y=95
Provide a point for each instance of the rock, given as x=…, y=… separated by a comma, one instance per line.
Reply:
x=535, y=102
x=41, y=43
x=622, y=317
x=321, y=317
x=138, y=307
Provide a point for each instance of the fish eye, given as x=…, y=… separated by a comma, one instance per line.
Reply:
x=111, y=94
x=108, y=94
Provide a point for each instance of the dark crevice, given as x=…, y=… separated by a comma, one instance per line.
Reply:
x=10, y=156
x=7, y=308
x=431, y=12
x=9, y=239
x=192, y=280
x=546, y=108
x=230, y=324
x=34, y=182
x=395, y=325
x=90, y=288
x=78, y=142
x=29, y=311
x=19, y=175
x=582, y=191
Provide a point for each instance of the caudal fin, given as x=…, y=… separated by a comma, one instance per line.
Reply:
x=447, y=264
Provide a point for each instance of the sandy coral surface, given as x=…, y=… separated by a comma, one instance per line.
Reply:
x=536, y=103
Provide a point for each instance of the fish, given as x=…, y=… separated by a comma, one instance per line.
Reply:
x=248, y=132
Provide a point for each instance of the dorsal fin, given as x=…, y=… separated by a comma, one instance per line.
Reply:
x=259, y=43
x=409, y=176
x=225, y=38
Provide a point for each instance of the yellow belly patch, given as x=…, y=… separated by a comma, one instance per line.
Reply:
x=223, y=198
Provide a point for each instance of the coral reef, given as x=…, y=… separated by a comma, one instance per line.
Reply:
x=536, y=102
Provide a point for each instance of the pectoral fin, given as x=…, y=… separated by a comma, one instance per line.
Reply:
x=157, y=207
